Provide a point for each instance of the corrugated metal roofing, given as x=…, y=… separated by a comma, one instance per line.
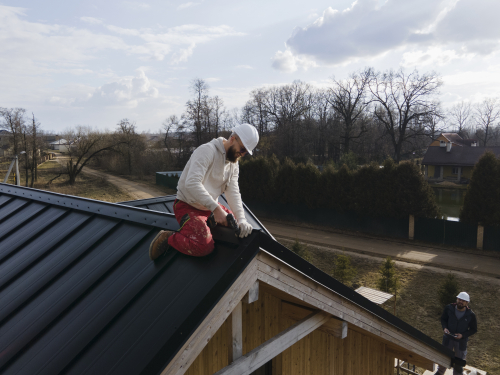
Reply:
x=458, y=156
x=79, y=294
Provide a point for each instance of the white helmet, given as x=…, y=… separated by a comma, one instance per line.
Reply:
x=248, y=135
x=464, y=296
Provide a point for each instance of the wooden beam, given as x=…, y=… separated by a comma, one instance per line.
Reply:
x=278, y=344
x=236, y=334
x=410, y=357
x=252, y=294
x=195, y=344
x=333, y=326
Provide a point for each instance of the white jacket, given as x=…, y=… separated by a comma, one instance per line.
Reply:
x=207, y=175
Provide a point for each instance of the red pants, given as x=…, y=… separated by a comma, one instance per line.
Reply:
x=194, y=237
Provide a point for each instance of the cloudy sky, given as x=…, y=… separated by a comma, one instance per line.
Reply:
x=96, y=62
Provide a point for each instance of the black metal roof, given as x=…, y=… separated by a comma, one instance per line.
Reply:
x=80, y=295
x=458, y=156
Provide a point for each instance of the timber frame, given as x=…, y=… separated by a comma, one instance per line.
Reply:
x=305, y=301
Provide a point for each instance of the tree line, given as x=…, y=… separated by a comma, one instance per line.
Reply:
x=372, y=115
x=392, y=191
x=25, y=137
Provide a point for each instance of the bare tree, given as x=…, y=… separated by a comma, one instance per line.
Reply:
x=486, y=113
x=13, y=121
x=286, y=106
x=196, y=109
x=129, y=139
x=85, y=144
x=169, y=125
x=402, y=101
x=459, y=116
x=217, y=110
x=349, y=99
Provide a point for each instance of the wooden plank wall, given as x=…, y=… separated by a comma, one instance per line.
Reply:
x=318, y=353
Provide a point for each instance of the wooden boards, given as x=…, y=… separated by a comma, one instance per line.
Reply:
x=276, y=345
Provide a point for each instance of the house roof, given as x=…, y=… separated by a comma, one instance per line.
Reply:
x=80, y=295
x=458, y=156
x=453, y=137
x=166, y=204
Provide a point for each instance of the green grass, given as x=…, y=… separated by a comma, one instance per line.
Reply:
x=417, y=302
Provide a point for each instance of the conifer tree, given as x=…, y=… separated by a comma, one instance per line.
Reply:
x=343, y=271
x=448, y=290
x=389, y=279
x=482, y=199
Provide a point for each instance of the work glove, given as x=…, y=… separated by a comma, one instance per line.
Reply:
x=245, y=228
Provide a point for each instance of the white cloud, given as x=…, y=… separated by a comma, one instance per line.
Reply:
x=368, y=29
x=127, y=91
x=91, y=20
x=244, y=67
x=189, y=4
x=34, y=42
x=288, y=62
x=137, y=5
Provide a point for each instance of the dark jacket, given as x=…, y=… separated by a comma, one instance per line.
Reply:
x=467, y=325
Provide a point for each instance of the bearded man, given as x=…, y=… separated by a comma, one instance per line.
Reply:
x=211, y=171
x=459, y=323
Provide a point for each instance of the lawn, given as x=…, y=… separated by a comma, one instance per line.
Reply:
x=85, y=186
x=417, y=302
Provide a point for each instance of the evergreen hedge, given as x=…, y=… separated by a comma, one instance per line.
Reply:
x=482, y=199
x=392, y=191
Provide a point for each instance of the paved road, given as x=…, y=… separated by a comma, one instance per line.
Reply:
x=135, y=189
x=442, y=258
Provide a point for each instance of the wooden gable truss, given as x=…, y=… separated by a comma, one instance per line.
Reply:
x=274, y=315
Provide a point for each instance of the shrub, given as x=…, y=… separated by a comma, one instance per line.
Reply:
x=389, y=279
x=301, y=250
x=343, y=271
x=481, y=201
x=448, y=290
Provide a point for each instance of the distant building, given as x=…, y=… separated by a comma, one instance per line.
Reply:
x=61, y=145
x=452, y=158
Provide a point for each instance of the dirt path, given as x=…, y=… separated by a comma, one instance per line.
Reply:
x=135, y=189
x=421, y=255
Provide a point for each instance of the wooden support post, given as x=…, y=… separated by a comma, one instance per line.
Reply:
x=411, y=229
x=278, y=344
x=236, y=334
x=480, y=236
x=252, y=294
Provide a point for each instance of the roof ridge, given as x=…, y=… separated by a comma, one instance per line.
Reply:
x=113, y=210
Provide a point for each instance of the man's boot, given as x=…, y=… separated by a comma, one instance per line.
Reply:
x=160, y=244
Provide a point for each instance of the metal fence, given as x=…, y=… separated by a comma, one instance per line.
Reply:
x=445, y=232
x=491, y=239
x=428, y=230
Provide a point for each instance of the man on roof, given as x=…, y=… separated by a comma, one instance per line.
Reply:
x=211, y=171
x=459, y=323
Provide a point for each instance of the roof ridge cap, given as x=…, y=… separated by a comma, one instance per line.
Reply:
x=108, y=209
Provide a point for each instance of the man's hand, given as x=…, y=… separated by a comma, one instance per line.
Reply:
x=220, y=216
x=446, y=331
x=245, y=229
x=458, y=336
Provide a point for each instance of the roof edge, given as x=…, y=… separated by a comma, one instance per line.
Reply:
x=113, y=210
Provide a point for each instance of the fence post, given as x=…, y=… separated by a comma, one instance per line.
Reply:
x=411, y=230
x=480, y=235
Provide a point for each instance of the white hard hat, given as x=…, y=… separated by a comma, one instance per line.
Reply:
x=248, y=135
x=464, y=296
